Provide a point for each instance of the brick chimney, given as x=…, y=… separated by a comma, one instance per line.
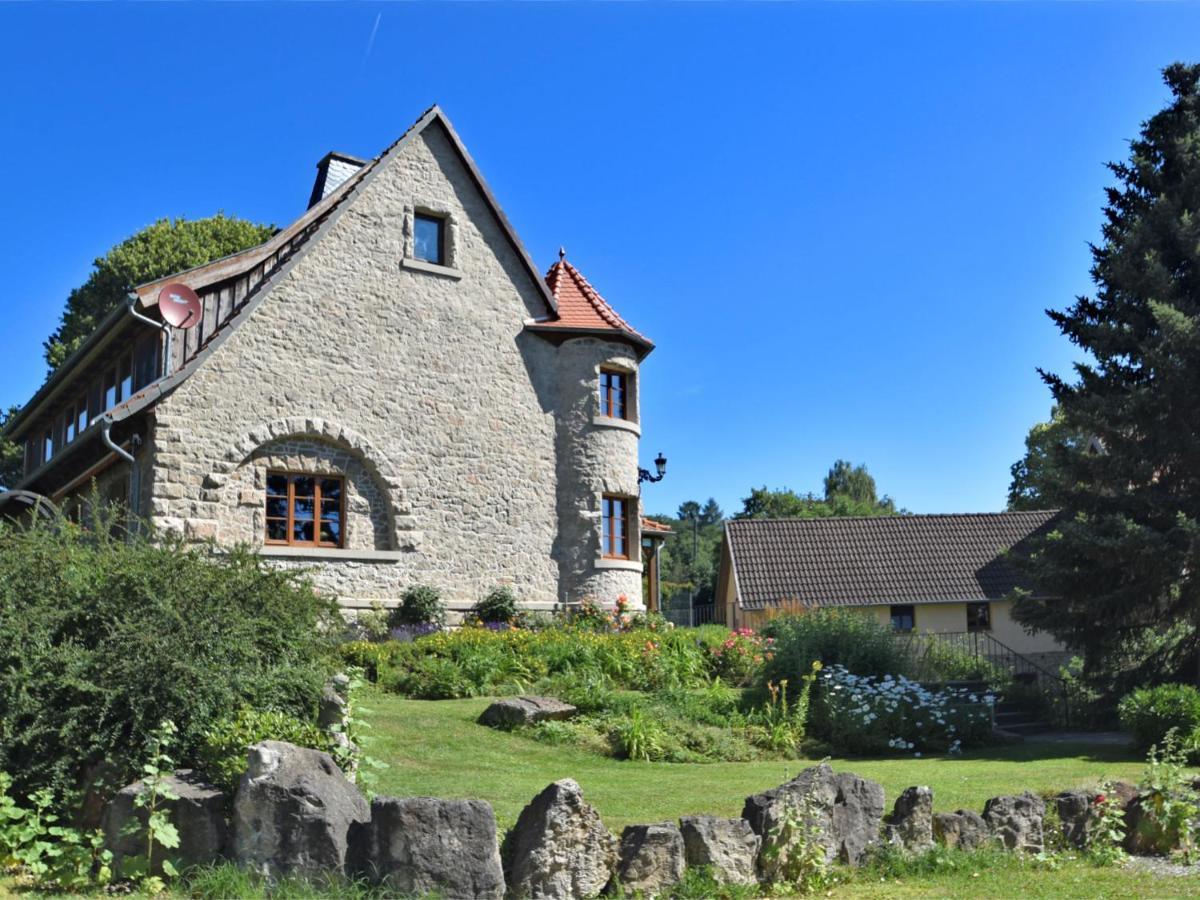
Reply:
x=333, y=170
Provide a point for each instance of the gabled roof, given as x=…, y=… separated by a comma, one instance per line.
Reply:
x=262, y=267
x=874, y=561
x=650, y=526
x=581, y=309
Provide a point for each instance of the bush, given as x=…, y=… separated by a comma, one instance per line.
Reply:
x=1149, y=713
x=222, y=756
x=101, y=638
x=847, y=638
x=420, y=605
x=861, y=714
x=498, y=606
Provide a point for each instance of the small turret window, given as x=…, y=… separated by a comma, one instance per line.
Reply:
x=613, y=394
x=614, y=538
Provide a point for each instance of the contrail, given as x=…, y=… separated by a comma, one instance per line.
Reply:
x=371, y=39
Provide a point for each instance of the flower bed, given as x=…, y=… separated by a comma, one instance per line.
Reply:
x=868, y=714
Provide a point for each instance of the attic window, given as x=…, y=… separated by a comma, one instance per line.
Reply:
x=429, y=239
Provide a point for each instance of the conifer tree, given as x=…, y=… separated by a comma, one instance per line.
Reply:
x=1121, y=569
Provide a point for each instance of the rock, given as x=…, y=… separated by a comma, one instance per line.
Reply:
x=1145, y=834
x=911, y=823
x=334, y=704
x=418, y=846
x=293, y=810
x=198, y=814
x=559, y=847
x=513, y=712
x=652, y=859
x=728, y=846
x=1017, y=821
x=847, y=809
x=964, y=829
x=1076, y=811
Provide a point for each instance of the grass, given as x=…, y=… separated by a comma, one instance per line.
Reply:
x=435, y=748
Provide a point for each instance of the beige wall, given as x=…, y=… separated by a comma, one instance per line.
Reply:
x=951, y=617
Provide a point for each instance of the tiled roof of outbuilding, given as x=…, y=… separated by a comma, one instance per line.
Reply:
x=872, y=561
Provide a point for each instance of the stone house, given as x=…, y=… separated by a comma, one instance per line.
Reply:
x=386, y=392
x=921, y=574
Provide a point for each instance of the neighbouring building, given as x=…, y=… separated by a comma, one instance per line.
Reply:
x=944, y=574
x=386, y=392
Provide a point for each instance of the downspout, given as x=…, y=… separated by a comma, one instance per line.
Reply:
x=135, y=475
x=166, y=330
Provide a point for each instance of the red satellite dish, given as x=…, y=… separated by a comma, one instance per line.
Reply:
x=179, y=306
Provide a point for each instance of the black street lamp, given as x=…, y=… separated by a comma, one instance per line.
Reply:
x=660, y=466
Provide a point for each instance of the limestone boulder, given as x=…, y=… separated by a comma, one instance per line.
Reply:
x=652, y=859
x=559, y=848
x=911, y=824
x=198, y=812
x=293, y=811
x=513, y=712
x=1017, y=821
x=964, y=829
x=418, y=846
x=334, y=704
x=1077, y=812
x=847, y=809
x=729, y=847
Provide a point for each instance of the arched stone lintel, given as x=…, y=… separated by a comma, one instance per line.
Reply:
x=374, y=460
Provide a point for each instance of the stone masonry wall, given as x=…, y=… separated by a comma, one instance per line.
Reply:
x=421, y=386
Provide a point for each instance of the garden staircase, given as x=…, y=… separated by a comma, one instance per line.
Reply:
x=996, y=662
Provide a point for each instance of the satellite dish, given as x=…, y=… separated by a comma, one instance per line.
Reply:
x=179, y=306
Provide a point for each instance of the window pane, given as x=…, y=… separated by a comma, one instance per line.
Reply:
x=70, y=430
x=427, y=239
x=303, y=508
x=276, y=529
x=125, y=381
x=110, y=391
x=304, y=485
x=330, y=508
x=302, y=532
x=83, y=416
x=331, y=533
x=331, y=489
x=277, y=485
x=277, y=507
x=47, y=446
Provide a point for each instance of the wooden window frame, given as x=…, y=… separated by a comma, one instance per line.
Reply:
x=978, y=629
x=316, y=542
x=607, y=391
x=442, y=248
x=608, y=515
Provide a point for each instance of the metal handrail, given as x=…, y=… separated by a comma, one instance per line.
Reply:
x=986, y=648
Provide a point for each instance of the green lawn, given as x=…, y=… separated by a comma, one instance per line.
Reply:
x=435, y=748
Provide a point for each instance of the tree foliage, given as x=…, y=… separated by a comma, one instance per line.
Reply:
x=1123, y=565
x=849, y=491
x=167, y=246
x=11, y=456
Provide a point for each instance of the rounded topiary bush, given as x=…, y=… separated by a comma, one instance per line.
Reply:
x=103, y=637
x=1149, y=713
x=500, y=605
x=419, y=605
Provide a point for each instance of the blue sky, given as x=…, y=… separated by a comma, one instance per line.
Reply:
x=841, y=223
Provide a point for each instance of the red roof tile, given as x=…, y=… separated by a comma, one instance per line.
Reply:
x=580, y=305
x=649, y=526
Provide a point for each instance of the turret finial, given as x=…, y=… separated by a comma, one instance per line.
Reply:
x=562, y=254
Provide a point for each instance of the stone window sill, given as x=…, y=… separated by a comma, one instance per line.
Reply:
x=623, y=424
x=420, y=265
x=627, y=565
x=331, y=554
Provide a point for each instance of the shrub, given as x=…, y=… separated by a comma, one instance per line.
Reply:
x=373, y=623
x=101, y=638
x=420, y=605
x=861, y=714
x=1149, y=713
x=851, y=639
x=498, y=606
x=740, y=655
x=222, y=754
